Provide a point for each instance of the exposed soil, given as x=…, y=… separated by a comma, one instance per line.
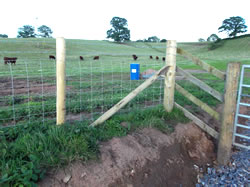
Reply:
x=22, y=86
x=146, y=157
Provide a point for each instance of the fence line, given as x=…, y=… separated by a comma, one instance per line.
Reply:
x=225, y=138
x=28, y=88
x=91, y=95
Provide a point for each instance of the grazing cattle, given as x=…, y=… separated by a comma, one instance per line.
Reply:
x=150, y=57
x=134, y=57
x=157, y=58
x=163, y=59
x=11, y=60
x=96, y=58
x=52, y=57
x=81, y=58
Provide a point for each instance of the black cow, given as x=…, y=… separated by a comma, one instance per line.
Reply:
x=11, y=60
x=134, y=57
x=81, y=58
x=157, y=58
x=151, y=57
x=96, y=58
x=52, y=57
x=163, y=59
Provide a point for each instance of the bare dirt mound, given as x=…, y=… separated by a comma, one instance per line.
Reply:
x=145, y=158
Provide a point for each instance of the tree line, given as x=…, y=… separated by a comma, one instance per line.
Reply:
x=232, y=26
x=28, y=31
x=120, y=32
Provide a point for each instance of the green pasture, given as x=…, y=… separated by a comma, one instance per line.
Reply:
x=34, y=53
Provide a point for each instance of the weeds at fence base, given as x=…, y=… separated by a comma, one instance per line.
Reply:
x=28, y=151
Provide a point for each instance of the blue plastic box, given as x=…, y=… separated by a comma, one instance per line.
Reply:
x=134, y=71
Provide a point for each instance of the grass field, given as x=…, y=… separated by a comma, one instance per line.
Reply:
x=27, y=98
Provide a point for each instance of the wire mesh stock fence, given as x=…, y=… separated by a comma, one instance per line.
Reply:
x=28, y=88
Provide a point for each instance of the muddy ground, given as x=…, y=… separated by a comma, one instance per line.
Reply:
x=146, y=157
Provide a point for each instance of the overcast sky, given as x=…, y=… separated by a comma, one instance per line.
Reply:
x=181, y=20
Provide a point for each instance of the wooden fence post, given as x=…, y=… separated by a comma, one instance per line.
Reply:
x=60, y=81
x=170, y=75
x=226, y=130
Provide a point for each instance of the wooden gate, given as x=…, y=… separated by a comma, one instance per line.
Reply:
x=168, y=71
x=225, y=135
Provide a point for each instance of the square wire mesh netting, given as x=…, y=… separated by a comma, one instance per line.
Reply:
x=93, y=87
x=28, y=87
x=27, y=92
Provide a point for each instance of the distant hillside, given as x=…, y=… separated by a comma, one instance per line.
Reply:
x=237, y=49
x=237, y=37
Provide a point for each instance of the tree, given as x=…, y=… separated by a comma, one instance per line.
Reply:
x=212, y=38
x=163, y=40
x=27, y=31
x=44, y=31
x=3, y=36
x=153, y=39
x=201, y=40
x=233, y=26
x=119, y=32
